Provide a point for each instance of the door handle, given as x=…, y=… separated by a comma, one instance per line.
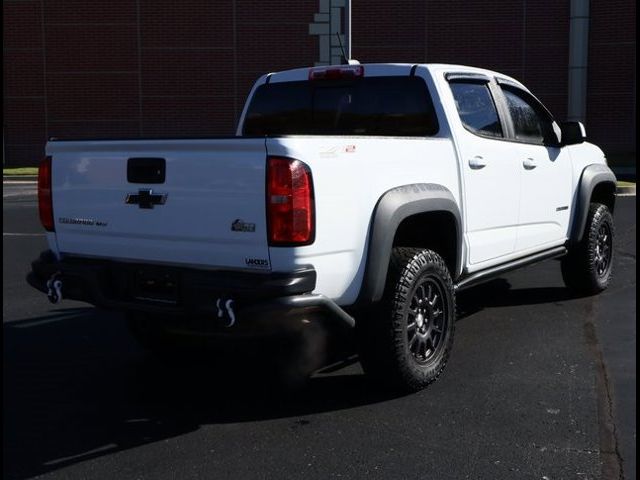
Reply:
x=529, y=164
x=477, y=162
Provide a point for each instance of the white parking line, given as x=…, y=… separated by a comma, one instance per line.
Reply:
x=55, y=317
x=7, y=234
x=24, y=193
x=37, y=323
x=104, y=448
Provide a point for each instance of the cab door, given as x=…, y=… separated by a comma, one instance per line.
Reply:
x=490, y=172
x=545, y=168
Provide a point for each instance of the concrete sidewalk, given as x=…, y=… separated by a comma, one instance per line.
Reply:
x=626, y=188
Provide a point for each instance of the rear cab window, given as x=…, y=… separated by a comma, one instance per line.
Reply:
x=382, y=106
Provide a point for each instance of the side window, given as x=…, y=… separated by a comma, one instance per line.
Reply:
x=476, y=108
x=530, y=123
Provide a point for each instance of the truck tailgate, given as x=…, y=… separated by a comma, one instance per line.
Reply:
x=208, y=211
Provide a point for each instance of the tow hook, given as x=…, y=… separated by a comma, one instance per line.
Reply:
x=54, y=288
x=225, y=311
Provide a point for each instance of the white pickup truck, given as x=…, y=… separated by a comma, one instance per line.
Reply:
x=358, y=196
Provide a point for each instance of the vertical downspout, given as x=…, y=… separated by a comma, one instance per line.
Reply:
x=347, y=28
x=578, y=60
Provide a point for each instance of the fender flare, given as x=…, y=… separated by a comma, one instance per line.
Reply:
x=392, y=208
x=592, y=176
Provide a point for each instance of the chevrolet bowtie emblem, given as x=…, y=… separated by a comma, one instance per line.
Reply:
x=146, y=198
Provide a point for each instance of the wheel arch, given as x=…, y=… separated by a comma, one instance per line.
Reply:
x=597, y=184
x=398, y=217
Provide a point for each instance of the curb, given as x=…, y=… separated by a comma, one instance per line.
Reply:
x=626, y=189
x=20, y=178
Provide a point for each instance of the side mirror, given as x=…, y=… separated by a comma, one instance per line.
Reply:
x=572, y=133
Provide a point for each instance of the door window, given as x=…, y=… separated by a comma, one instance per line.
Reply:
x=530, y=123
x=476, y=108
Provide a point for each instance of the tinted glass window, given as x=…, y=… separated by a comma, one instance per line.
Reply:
x=529, y=123
x=476, y=108
x=393, y=106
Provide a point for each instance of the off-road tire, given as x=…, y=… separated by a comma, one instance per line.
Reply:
x=386, y=338
x=582, y=268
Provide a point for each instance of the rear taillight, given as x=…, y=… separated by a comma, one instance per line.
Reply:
x=45, y=204
x=290, y=206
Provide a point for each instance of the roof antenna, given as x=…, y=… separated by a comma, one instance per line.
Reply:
x=345, y=60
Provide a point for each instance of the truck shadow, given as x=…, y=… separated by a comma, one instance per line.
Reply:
x=77, y=387
x=499, y=293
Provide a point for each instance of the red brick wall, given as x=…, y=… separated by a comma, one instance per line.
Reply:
x=611, y=81
x=526, y=40
x=24, y=111
x=75, y=68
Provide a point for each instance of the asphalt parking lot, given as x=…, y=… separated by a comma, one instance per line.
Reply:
x=541, y=385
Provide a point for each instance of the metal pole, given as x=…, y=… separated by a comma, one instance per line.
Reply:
x=578, y=60
x=347, y=27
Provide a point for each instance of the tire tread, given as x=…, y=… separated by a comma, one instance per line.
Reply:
x=578, y=267
x=383, y=353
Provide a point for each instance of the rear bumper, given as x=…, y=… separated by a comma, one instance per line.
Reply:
x=198, y=293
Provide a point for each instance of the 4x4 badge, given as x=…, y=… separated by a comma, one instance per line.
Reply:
x=146, y=198
x=239, y=225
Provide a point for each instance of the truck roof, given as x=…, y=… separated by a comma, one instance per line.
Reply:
x=378, y=69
